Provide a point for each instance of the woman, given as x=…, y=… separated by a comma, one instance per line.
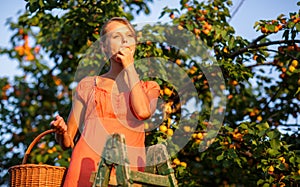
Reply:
x=115, y=102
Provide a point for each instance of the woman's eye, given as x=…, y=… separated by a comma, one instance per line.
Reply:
x=115, y=36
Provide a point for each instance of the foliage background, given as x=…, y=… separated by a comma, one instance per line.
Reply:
x=249, y=149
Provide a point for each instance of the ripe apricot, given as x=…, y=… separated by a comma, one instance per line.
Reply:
x=176, y=161
x=200, y=136
x=197, y=31
x=167, y=91
x=170, y=132
x=198, y=159
x=259, y=118
x=183, y=164
x=255, y=57
x=29, y=57
x=206, y=31
x=230, y=96
x=148, y=42
x=264, y=30
x=96, y=31
x=88, y=42
x=172, y=16
x=222, y=87
x=279, y=27
x=201, y=18
x=296, y=20
x=252, y=114
x=190, y=9
x=232, y=146
x=294, y=63
x=225, y=50
x=178, y=61
x=291, y=68
x=187, y=128
x=37, y=49
x=194, y=135
x=20, y=50
x=193, y=70
x=6, y=87
x=282, y=159
x=42, y=145
x=283, y=21
x=234, y=82
x=282, y=75
x=207, y=26
x=57, y=81
x=291, y=48
x=21, y=31
x=163, y=128
x=204, y=12
x=180, y=27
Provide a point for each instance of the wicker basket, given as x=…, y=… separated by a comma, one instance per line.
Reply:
x=32, y=175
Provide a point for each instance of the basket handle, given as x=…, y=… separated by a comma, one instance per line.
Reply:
x=37, y=139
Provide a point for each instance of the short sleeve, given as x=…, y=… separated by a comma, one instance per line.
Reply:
x=84, y=89
x=151, y=88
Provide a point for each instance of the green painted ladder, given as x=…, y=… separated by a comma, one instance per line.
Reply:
x=157, y=173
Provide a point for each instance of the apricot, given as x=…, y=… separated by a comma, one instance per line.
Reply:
x=170, y=132
x=294, y=63
x=163, y=128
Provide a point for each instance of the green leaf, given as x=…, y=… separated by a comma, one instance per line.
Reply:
x=41, y=3
x=281, y=166
x=220, y=157
x=272, y=152
x=45, y=159
x=273, y=134
x=39, y=158
x=260, y=182
x=243, y=126
x=292, y=160
x=238, y=161
x=275, y=144
x=298, y=27
x=266, y=185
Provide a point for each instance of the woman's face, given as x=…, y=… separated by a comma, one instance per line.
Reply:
x=119, y=37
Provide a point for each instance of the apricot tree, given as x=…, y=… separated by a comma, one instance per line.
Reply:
x=261, y=84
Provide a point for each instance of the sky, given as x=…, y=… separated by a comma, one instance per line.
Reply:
x=243, y=21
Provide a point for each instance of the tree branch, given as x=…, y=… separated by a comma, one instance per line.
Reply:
x=255, y=45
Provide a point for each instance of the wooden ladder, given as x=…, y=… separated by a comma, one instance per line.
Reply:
x=158, y=171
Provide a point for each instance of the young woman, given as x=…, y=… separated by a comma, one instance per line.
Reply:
x=115, y=102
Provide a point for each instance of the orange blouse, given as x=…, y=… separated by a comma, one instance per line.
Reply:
x=106, y=113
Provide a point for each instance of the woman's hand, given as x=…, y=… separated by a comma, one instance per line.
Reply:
x=59, y=125
x=125, y=56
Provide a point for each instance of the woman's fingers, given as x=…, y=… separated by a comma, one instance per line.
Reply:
x=59, y=125
x=124, y=59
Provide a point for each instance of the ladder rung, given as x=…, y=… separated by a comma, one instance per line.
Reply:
x=149, y=178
